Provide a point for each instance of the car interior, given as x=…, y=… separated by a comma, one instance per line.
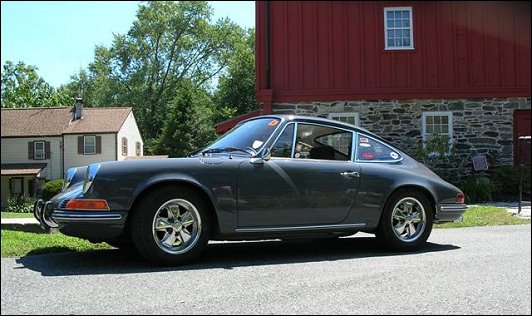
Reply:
x=320, y=142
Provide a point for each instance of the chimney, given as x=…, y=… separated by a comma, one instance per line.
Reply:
x=78, y=109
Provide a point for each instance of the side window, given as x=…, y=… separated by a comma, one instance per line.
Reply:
x=124, y=146
x=137, y=149
x=38, y=151
x=89, y=145
x=340, y=142
x=283, y=146
x=369, y=149
x=322, y=142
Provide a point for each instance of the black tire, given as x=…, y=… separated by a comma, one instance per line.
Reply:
x=413, y=234
x=163, y=241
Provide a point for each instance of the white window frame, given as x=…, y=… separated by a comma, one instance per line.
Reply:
x=345, y=114
x=424, y=124
x=85, y=152
x=39, y=154
x=386, y=47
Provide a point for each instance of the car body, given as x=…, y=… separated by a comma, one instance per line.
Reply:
x=274, y=176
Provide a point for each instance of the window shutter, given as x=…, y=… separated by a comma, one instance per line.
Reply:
x=30, y=150
x=98, y=144
x=80, y=145
x=124, y=146
x=47, y=150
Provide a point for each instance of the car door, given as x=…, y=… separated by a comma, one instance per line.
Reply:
x=297, y=187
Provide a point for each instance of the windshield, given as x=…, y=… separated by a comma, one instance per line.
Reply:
x=252, y=134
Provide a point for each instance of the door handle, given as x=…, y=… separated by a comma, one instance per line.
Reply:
x=352, y=174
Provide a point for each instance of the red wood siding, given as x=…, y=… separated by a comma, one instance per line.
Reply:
x=334, y=50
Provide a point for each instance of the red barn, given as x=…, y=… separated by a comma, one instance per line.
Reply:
x=404, y=70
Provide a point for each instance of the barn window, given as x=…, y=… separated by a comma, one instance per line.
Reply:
x=437, y=126
x=351, y=118
x=398, y=28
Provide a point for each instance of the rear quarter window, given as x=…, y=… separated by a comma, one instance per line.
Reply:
x=369, y=149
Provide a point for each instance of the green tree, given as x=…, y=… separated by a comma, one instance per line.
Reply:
x=169, y=43
x=236, y=86
x=22, y=87
x=79, y=86
x=188, y=126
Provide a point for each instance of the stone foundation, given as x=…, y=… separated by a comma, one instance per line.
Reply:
x=480, y=126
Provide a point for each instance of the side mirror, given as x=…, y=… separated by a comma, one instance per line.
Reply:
x=266, y=155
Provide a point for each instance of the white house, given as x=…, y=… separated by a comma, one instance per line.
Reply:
x=40, y=144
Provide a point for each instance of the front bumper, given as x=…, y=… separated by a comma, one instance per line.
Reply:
x=82, y=224
x=449, y=213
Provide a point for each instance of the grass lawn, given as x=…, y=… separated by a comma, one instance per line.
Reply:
x=16, y=215
x=21, y=243
x=486, y=216
x=16, y=243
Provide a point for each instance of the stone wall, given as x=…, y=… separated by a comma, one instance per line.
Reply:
x=480, y=126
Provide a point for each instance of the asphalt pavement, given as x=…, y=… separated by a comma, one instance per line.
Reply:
x=463, y=271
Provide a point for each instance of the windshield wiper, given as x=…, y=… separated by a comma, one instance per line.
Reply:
x=228, y=149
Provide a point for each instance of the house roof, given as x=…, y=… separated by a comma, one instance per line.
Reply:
x=21, y=169
x=35, y=121
x=99, y=120
x=56, y=121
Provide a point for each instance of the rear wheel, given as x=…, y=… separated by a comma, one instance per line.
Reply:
x=171, y=226
x=406, y=222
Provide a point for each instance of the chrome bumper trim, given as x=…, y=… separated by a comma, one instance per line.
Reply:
x=40, y=213
x=449, y=213
x=458, y=208
x=70, y=216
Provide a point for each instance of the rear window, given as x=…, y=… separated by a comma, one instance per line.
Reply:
x=369, y=149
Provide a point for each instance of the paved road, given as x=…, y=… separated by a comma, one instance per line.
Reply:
x=462, y=271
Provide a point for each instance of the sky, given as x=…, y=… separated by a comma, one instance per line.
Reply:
x=58, y=37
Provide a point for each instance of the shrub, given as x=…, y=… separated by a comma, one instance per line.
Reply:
x=506, y=182
x=51, y=188
x=440, y=156
x=19, y=205
x=477, y=190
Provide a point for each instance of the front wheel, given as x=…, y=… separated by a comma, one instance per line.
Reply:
x=406, y=222
x=171, y=226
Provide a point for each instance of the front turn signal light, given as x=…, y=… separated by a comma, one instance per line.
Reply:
x=87, y=205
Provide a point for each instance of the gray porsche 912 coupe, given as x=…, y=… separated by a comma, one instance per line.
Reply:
x=270, y=177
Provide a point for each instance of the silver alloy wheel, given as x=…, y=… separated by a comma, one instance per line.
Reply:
x=408, y=219
x=176, y=226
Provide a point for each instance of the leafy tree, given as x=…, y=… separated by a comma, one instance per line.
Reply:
x=236, y=87
x=79, y=86
x=22, y=87
x=169, y=43
x=188, y=126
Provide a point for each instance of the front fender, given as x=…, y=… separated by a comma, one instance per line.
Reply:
x=169, y=178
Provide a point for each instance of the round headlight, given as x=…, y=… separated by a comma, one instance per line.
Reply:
x=92, y=170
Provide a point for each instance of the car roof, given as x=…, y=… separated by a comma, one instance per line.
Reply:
x=315, y=119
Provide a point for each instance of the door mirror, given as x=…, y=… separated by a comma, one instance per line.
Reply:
x=260, y=159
